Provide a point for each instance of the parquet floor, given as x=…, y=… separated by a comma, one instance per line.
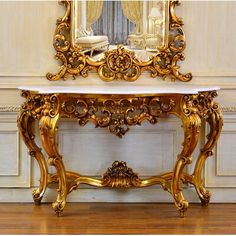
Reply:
x=117, y=218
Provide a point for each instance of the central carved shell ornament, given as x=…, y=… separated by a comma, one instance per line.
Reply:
x=120, y=176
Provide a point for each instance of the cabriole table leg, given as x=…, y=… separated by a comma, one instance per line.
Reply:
x=215, y=122
x=26, y=124
x=48, y=130
x=191, y=126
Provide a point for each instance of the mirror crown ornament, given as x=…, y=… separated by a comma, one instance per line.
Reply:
x=120, y=63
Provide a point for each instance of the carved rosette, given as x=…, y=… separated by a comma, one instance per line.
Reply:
x=117, y=114
x=120, y=63
x=120, y=176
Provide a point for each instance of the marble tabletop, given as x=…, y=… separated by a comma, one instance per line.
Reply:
x=127, y=89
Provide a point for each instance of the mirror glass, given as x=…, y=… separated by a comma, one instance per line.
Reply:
x=100, y=25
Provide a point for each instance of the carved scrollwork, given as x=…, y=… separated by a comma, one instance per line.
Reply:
x=120, y=176
x=38, y=105
x=120, y=63
x=117, y=114
x=202, y=103
x=32, y=105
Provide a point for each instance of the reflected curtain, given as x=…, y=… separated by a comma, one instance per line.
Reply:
x=78, y=15
x=93, y=11
x=133, y=10
x=113, y=23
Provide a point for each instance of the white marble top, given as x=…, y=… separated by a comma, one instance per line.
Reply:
x=128, y=89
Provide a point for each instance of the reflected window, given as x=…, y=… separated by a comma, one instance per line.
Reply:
x=142, y=26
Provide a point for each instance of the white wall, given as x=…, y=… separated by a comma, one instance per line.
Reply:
x=26, y=55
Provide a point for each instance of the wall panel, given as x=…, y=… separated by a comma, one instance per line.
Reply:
x=149, y=150
x=14, y=162
x=221, y=170
x=210, y=42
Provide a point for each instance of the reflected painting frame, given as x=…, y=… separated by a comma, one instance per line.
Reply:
x=119, y=62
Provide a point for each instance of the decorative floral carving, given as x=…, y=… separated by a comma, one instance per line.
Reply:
x=120, y=176
x=120, y=63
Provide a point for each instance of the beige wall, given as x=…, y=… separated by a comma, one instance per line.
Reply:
x=26, y=55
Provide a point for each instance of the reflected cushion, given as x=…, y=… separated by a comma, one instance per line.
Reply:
x=89, y=41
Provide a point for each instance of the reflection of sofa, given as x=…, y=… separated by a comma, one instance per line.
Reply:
x=136, y=41
x=144, y=41
x=153, y=41
x=91, y=43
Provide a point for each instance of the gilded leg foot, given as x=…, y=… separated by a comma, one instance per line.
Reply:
x=180, y=203
x=60, y=203
x=37, y=202
x=37, y=196
x=58, y=207
x=39, y=192
x=203, y=193
x=204, y=196
x=182, y=207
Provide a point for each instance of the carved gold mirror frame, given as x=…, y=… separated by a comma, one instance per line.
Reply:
x=75, y=63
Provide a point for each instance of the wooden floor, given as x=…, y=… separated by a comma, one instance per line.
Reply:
x=117, y=218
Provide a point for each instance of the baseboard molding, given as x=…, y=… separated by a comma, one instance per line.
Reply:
x=219, y=195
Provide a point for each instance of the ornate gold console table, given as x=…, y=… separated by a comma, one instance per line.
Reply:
x=117, y=112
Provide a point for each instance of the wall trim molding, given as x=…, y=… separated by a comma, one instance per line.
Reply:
x=105, y=195
x=15, y=108
x=9, y=108
x=228, y=108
